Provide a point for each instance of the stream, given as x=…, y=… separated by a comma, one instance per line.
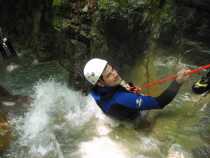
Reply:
x=63, y=123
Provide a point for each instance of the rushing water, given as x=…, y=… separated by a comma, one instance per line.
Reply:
x=62, y=123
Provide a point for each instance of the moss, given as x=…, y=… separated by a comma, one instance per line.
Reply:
x=106, y=4
x=122, y=3
x=112, y=4
x=57, y=2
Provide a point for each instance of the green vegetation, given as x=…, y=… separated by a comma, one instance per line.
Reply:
x=110, y=4
x=57, y=2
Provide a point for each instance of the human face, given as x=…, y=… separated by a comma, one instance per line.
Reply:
x=110, y=77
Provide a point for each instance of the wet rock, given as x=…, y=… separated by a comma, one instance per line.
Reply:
x=198, y=49
x=202, y=152
x=199, y=4
x=193, y=19
x=5, y=133
x=13, y=103
x=10, y=104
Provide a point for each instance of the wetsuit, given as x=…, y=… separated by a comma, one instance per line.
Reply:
x=119, y=103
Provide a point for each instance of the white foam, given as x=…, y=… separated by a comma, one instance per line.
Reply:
x=53, y=101
x=102, y=147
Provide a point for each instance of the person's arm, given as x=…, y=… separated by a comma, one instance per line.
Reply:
x=140, y=102
x=168, y=95
x=136, y=102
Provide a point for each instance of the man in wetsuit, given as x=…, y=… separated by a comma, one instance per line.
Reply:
x=6, y=48
x=122, y=100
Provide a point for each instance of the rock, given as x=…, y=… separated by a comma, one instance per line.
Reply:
x=85, y=9
x=13, y=103
x=5, y=133
x=202, y=152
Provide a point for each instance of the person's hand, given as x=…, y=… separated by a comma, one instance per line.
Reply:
x=182, y=75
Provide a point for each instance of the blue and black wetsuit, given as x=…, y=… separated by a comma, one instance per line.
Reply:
x=119, y=103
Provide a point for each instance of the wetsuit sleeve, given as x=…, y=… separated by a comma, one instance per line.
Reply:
x=140, y=102
x=168, y=95
x=136, y=101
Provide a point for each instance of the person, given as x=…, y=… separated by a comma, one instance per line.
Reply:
x=6, y=48
x=121, y=100
x=202, y=85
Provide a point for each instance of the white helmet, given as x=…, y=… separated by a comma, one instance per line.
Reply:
x=93, y=69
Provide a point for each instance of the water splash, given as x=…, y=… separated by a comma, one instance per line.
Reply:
x=102, y=147
x=54, y=107
x=57, y=126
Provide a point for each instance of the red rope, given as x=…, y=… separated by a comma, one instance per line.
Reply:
x=173, y=77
